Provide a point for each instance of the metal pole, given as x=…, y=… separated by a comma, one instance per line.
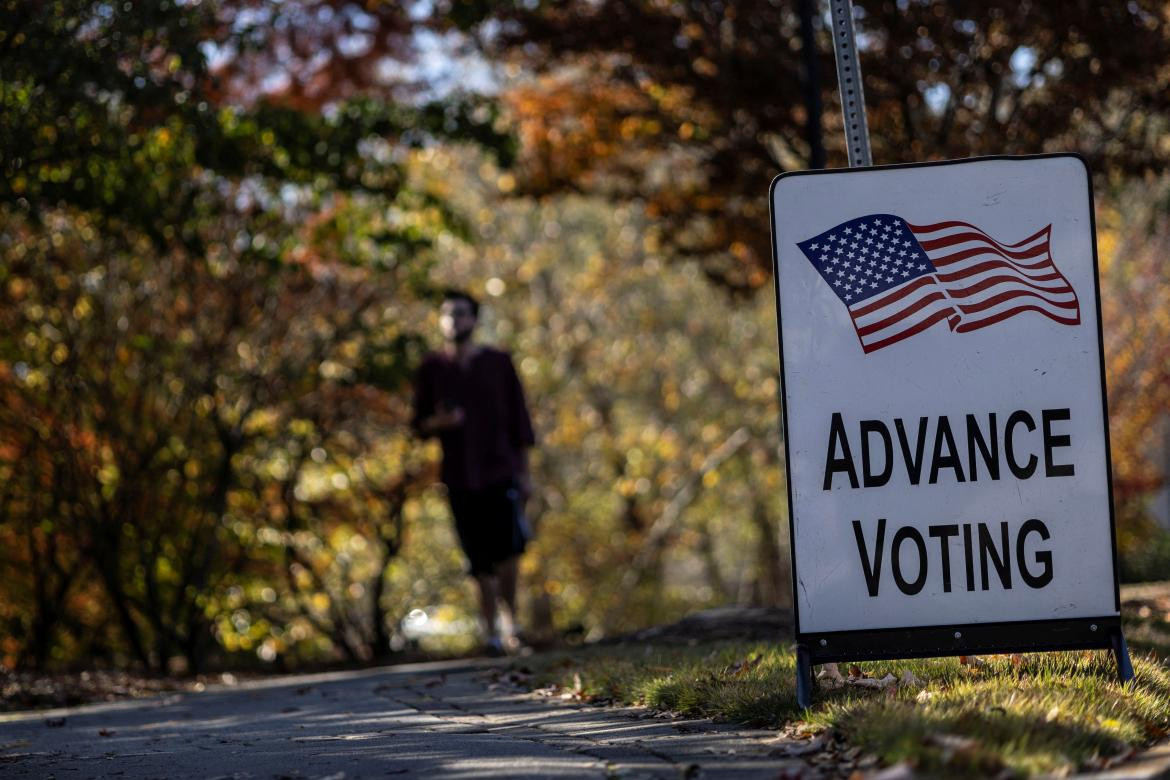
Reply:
x=804, y=678
x=849, y=82
x=1121, y=654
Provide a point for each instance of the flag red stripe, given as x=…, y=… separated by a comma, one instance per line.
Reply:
x=979, y=268
x=926, y=323
x=943, y=225
x=901, y=314
x=983, y=250
x=991, y=281
x=987, y=303
x=901, y=292
x=963, y=238
x=969, y=325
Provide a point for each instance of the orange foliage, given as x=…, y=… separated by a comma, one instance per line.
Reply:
x=1135, y=240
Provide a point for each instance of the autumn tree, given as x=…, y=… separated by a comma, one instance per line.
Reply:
x=206, y=296
x=1134, y=237
x=686, y=111
x=694, y=107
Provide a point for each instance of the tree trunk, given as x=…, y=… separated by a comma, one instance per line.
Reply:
x=772, y=565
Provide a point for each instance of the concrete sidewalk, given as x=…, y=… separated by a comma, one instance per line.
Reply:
x=441, y=720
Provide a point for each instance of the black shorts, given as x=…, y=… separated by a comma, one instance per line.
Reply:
x=490, y=523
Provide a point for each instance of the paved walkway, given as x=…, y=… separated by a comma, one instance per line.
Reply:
x=444, y=720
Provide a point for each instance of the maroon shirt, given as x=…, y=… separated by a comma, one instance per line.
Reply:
x=488, y=447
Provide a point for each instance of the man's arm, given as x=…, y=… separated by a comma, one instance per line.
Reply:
x=524, y=477
x=443, y=420
x=431, y=418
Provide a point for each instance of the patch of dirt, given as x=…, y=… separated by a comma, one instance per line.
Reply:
x=1149, y=595
x=747, y=624
x=38, y=691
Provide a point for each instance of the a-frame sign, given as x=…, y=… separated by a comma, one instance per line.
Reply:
x=944, y=411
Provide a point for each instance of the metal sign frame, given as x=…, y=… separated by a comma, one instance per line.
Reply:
x=1101, y=632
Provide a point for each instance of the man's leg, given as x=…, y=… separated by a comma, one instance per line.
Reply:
x=508, y=571
x=488, y=593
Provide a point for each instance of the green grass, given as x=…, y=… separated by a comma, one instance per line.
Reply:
x=1038, y=713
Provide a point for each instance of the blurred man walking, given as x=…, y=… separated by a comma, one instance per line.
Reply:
x=469, y=395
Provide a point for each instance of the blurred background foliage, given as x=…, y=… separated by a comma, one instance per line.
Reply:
x=223, y=226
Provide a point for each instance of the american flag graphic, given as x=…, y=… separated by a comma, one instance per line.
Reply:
x=898, y=279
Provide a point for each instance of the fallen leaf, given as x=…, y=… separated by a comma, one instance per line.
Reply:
x=106, y=732
x=952, y=742
x=1120, y=758
x=830, y=677
x=518, y=678
x=870, y=682
x=899, y=771
x=814, y=745
x=954, y=747
x=738, y=668
x=855, y=671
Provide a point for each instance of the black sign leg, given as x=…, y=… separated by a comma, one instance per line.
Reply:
x=804, y=680
x=1121, y=653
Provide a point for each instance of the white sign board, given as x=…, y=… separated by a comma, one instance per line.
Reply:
x=944, y=395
